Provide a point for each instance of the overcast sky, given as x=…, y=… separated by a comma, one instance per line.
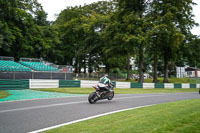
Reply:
x=53, y=7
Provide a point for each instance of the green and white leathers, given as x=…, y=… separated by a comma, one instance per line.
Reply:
x=105, y=80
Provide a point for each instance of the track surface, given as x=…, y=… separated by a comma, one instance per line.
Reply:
x=31, y=115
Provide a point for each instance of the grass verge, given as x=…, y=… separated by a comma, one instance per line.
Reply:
x=160, y=80
x=171, y=80
x=118, y=90
x=173, y=117
x=3, y=94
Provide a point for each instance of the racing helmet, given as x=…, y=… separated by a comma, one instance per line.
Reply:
x=106, y=75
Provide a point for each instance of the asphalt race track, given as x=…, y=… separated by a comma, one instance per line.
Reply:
x=31, y=115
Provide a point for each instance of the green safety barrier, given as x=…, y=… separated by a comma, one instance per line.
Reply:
x=69, y=83
x=193, y=86
x=177, y=85
x=136, y=85
x=159, y=85
x=24, y=84
x=14, y=84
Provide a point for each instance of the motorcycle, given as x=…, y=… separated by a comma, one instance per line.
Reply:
x=101, y=93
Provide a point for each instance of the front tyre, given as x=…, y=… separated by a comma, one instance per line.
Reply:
x=111, y=95
x=92, y=98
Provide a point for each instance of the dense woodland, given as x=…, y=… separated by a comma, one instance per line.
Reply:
x=156, y=33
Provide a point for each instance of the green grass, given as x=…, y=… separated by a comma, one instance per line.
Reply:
x=68, y=90
x=171, y=80
x=160, y=80
x=117, y=90
x=3, y=94
x=173, y=117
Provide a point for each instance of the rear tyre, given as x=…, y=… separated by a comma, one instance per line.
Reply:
x=111, y=95
x=92, y=98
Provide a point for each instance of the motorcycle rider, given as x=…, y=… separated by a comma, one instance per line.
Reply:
x=106, y=81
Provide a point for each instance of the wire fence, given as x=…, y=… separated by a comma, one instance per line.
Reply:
x=96, y=76
x=36, y=75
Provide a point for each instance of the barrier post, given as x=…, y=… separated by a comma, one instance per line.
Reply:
x=13, y=75
x=51, y=75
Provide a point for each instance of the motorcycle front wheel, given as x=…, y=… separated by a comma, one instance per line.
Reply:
x=111, y=95
x=92, y=98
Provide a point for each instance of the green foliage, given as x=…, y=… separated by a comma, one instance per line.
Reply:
x=25, y=32
x=171, y=28
x=191, y=52
x=103, y=33
x=118, y=72
x=79, y=30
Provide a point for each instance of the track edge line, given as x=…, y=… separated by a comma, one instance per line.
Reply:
x=88, y=118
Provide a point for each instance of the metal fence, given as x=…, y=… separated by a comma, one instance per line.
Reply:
x=6, y=58
x=36, y=75
x=112, y=76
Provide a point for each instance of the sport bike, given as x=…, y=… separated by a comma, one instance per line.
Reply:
x=101, y=93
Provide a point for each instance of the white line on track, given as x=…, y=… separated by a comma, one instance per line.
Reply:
x=88, y=118
x=61, y=104
x=44, y=106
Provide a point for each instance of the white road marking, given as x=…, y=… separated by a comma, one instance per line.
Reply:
x=61, y=104
x=88, y=118
x=43, y=106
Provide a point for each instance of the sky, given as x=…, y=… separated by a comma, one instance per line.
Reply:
x=53, y=7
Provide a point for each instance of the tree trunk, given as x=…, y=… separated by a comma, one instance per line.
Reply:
x=141, y=67
x=76, y=69
x=90, y=67
x=128, y=67
x=85, y=65
x=155, y=65
x=107, y=71
x=79, y=70
x=165, y=70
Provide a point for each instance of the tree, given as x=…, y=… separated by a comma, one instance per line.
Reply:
x=136, y=23
x=24, y=29
x=80, y=29
x=192, y=54
x=116, y=49
x=175, y=21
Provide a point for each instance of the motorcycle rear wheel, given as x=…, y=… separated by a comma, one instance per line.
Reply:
x=92, y=98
